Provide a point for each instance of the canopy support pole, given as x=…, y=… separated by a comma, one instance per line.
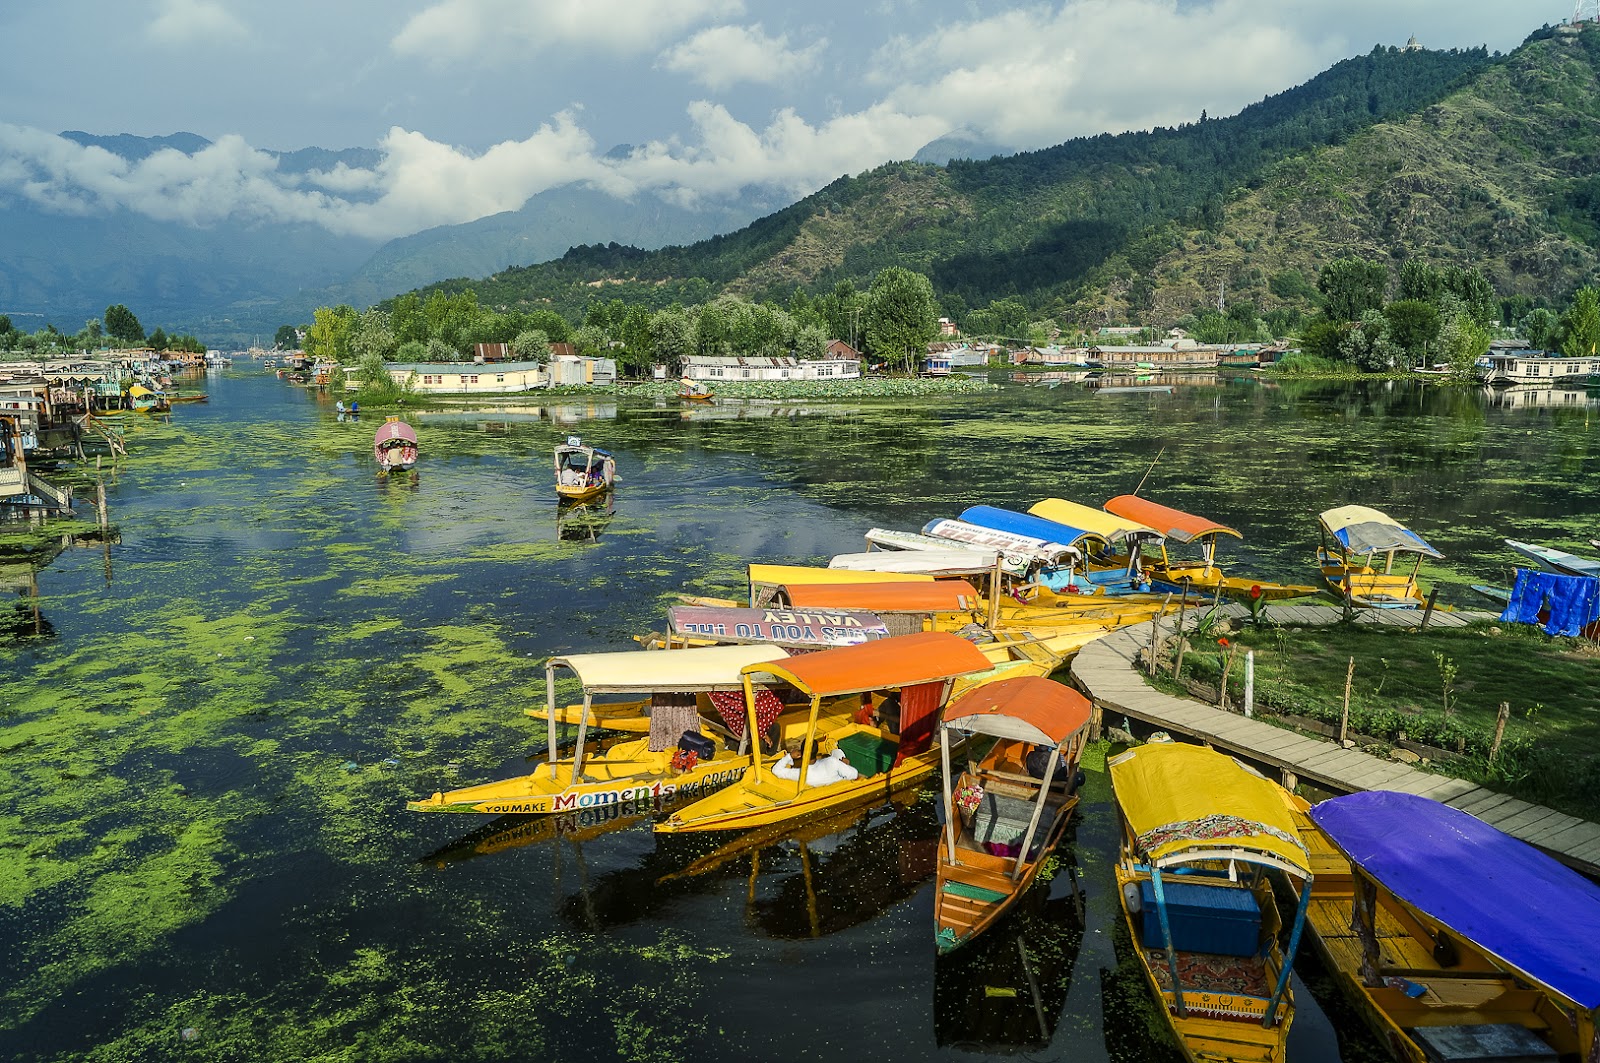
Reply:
x=1271, y=1017
x=1166, y=932
x=994, y=592
x=949, y=797
x=750, y=728
x=1038, y=810
x=583, y=729
x=550, y=715
x=810, y=746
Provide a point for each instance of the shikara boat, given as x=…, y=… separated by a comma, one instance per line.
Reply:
x=1352, y=539
x=1550, y=559
x=936, y=563
x=1186, y=529
x=394, y=446
x=671, y=695
x=767, y=580
x=1110, y=579
x=144, y=400
x=1199, y=835
x=1454, y=940
x=883, y=756
x=695, y=391
x=583, y=472
x=1001, y=817
x=691, y=625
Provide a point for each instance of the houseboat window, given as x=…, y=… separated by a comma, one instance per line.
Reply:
x=745, y=373
x=499, y=378
x=474, y=379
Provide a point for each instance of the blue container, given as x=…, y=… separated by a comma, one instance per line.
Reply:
x=1224, y=920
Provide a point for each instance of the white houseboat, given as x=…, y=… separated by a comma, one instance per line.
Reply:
x=1537, y=367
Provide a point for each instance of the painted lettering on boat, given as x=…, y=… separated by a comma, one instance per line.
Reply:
x=658, y=791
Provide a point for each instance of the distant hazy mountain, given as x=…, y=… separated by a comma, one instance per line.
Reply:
x=962, y=144
x=231, y=282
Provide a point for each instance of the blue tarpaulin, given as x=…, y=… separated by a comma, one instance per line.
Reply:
x=1573, y=601
x=1538, y=916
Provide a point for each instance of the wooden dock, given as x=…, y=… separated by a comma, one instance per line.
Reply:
x=1107, y=671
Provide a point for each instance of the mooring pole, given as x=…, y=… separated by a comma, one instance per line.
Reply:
x=1427, y=613
x=1344, y=716
x=1499, y=730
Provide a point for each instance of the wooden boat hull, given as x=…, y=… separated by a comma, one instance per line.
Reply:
x=769, y=801
x=1205, y=1039
x=1471, y=992
x=960, y=916
x=1368, y=588
x=1209, y=581
x=581, y=494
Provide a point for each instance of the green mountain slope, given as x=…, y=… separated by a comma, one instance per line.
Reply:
x=1043, y=225
x=1500, y=176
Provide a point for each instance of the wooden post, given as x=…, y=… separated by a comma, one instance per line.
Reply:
x=1155, y=633
x=1344, y=716
x=1499, y=730
x=1222, y=687
x=1427, y=613
x=1249, y=683
x=100, y=504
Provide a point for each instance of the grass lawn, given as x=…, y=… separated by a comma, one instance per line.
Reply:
x=1551, y=752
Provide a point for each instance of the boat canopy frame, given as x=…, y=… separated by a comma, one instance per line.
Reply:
x=1174, y=525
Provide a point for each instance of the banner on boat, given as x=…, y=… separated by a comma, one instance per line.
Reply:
x=790, y=627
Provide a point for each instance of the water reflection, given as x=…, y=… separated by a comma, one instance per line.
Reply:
x=1532, y=396
x=582, y=522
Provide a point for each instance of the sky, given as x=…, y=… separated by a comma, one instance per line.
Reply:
x=476, y=105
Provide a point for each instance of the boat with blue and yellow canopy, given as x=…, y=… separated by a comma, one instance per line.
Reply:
x=1115, y=575
x=1187, y=529
x=1453, y=939
x=1200, y=835
x=885, y=747
x=1353, y=538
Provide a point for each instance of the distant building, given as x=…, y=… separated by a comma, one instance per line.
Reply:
x=453, y=378
x=841, y=349
x=948, y=327
x=491, y=352
x=1109, y=357
x=717, y=369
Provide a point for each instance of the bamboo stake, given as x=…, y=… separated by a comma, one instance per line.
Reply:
x=1499, y=730
x=1222, y=688
x=1183, y=606
x=1427, y=613
x=1344, y=716
x=1155, y=633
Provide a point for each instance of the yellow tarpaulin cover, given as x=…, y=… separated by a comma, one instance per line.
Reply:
x=1108, y=526
x=797, y=575
x=139, y=390
x=1181, y=798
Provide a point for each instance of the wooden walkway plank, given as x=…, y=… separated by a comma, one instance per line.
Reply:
x=1107, y=671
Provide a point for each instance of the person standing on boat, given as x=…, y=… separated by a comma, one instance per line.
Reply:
x=339, y=406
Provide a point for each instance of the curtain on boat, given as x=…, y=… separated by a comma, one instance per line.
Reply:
x=919, y=716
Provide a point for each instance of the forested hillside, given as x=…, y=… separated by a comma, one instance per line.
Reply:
x=1500, y=177
x=1048, y=226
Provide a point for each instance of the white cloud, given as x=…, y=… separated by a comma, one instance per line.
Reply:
x=183, y=22
x=723, y=56
x=501, y=29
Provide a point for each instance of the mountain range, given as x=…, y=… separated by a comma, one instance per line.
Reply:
x=1458, y=157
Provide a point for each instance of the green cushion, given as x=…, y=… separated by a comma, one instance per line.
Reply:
x=867, y=753
x=975, y=893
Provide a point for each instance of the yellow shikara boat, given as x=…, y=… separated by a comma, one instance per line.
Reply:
x=1453, y=939
x=1200, y=832
x=883, y=757
x=583, y=472
x=680, y=689
x=1352, y=539
x=1002, y=818
x=1186, y=529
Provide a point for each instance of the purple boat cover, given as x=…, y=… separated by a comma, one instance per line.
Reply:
x=1503, y=895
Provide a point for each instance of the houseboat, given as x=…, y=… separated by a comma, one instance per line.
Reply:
x=1537, y=367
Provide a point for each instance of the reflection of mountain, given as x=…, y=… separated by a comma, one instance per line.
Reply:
x=1004, y=991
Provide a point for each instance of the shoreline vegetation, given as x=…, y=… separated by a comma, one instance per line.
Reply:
x=1432, y=695
x=758, y=390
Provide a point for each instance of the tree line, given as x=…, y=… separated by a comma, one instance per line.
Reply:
x=893, y=320
x=119, y=327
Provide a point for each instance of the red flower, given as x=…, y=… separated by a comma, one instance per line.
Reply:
x=1222, y=642
x=1255, y=591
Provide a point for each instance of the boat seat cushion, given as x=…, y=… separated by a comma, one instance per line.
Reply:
x=999, y=822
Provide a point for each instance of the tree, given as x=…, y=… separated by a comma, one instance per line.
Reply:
x=328, y=338
x=1540, y=328
x=671, y=337
x=1367, y=344
x=122, y=326
x=1413, y=325
x=1321, y=337
x=1462, y=341
x=532, y=345
x=1582, y=323
x=158, y=340
x=287, y=338
x=1477, y=295
x=372, y=335
x=1420, y=281
x=1351, y=287
x=901, y=316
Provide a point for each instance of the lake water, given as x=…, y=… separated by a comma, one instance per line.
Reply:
x=204, y=852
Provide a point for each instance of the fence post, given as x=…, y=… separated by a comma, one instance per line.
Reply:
x=1222, y=687
x=1344, y=716
x=1249, y=683
x=1427, y=613
x=1155, y=633
x=1499, y=730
